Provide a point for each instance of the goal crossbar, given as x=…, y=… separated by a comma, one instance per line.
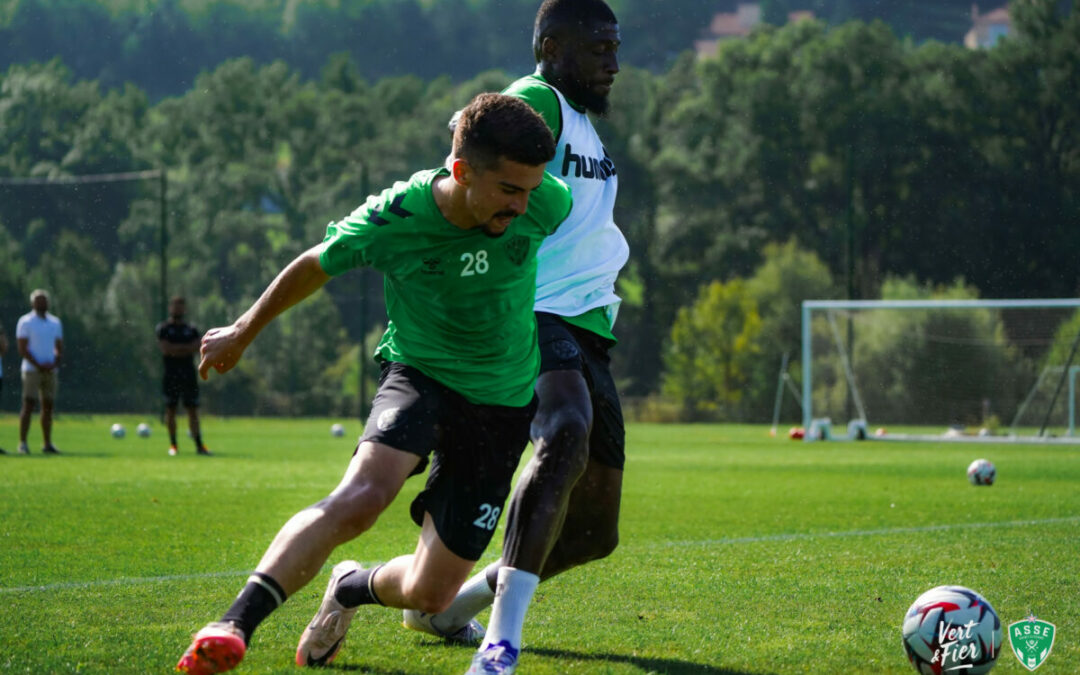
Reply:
x=808, y=306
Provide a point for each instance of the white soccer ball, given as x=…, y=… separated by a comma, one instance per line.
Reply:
x=952, y=629
x=337, y=430
x=117, y=430
x=143, y=430
x=982, y=472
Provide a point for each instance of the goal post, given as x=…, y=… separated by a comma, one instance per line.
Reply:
x=996, y=364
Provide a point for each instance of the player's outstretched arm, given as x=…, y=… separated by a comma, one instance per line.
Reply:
x=223, y=347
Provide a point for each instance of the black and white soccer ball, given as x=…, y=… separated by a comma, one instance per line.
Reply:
x=117, y=430
x=336, y=430
x=982, y=472
x=952, y=629
x=143, y=430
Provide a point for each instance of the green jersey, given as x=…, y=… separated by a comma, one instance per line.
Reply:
x=459, y=303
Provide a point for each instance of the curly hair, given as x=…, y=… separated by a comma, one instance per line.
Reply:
x=495, y=127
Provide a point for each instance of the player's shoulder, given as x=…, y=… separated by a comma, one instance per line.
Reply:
x=161, y=328
x=541, y=96
x=401, y=201
x=532, y=84
x=550, y=203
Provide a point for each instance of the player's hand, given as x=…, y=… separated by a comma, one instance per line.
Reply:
x=221, y=349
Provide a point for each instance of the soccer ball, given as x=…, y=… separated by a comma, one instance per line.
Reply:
x=982, y=472
x=117, y=430
x=143, y=430
x=952, y=629
x=337, y=430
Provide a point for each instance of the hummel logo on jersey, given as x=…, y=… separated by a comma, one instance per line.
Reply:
x=431, y=266
x=395, y=208
x=588, y=167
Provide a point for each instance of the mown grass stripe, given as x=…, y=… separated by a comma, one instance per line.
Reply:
x=795, y=536
x=791, y=536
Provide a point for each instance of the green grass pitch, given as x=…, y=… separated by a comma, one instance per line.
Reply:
x=739, y=553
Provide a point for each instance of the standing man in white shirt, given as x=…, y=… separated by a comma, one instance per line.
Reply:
x=40, y=337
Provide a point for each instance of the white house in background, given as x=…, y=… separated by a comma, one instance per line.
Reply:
x=737, y=24
x=987, y=28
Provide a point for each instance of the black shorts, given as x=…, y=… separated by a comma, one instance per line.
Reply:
x=564, y=346
x=474, y=451
x=181, y=385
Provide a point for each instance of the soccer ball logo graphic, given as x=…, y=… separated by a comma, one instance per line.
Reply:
x=982, y=472
x=952, y=629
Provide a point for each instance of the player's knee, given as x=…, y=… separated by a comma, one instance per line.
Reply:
x=562, y=443
x=428, y=597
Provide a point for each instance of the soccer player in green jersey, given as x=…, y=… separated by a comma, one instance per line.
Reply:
x=457, y=247
x=565, y=508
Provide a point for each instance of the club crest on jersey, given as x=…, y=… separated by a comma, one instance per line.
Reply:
x=517, y=248
x=587, y=167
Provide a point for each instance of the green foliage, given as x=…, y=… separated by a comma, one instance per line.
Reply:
x=712, y=342
x=1064, y=344
x=912, y=355
x=880, y=157
x=789, y=274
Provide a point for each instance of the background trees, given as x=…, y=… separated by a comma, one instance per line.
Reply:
x=806, y=161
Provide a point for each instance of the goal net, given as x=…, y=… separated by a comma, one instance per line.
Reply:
x=954, y=369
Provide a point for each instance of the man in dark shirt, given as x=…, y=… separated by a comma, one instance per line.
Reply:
x=179, y=342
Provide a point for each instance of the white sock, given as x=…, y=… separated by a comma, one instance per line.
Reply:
x=474, y=597
x=512, y=597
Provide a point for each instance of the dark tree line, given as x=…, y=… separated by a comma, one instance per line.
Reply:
x=162, y=47
x=846, y=147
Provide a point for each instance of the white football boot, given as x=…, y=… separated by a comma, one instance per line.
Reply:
x=324, y=636
x=471, y=633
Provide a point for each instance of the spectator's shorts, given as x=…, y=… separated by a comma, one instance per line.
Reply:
x=39, y=385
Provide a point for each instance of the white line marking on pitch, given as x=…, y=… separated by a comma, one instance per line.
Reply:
x=132, y=581
x=122, y=581
x=870, y=533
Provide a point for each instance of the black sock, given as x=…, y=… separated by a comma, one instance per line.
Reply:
x=198, y=441
x=261, y=596
x=355, y=588
x=172, y=439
